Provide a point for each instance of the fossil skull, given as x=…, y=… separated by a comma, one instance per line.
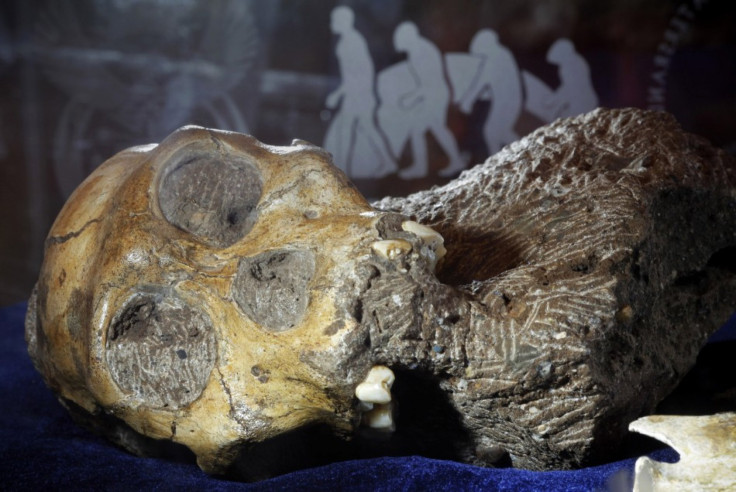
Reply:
x=219, y=293
x=214, y=279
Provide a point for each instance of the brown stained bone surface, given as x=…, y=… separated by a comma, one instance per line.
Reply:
x=230, y=296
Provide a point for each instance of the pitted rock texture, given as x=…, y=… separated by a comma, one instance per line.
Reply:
x=598, y=254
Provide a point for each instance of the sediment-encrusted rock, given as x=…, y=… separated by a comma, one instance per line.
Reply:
x=599, y=252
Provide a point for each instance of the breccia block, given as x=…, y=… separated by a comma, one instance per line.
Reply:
x=227, y=295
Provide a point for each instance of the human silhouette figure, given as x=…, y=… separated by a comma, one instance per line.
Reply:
x=497, y=78
x=427, y=102
x=576, y=94
x=357, y=103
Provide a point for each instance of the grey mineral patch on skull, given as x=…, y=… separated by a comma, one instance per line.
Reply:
x=211, y=197
x=161, y=350
x=272, y=288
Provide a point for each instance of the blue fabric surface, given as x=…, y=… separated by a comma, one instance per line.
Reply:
x=41, y=448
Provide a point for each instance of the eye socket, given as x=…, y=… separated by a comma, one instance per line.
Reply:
x=211, y=196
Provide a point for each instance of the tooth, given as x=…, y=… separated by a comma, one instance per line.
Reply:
x=380, y=417
x=391, y=248
x=429, y=236
x=376, y=387
x=365, y=406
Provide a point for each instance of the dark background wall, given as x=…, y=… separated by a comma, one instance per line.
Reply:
x=81, y=80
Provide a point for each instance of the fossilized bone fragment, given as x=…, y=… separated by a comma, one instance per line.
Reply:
x=227, y=295
x=707, y=448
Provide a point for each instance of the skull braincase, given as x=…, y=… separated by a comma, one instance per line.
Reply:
x=191, y=284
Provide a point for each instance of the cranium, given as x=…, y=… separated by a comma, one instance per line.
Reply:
x=220, y=293
x=193, y=281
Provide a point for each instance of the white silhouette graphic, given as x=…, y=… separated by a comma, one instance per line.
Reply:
x=575, y=94
x=414, y=97
x=353, y=138
x=414, y=100
x=496, y=78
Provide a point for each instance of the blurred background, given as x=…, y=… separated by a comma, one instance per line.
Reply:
x=404, y=93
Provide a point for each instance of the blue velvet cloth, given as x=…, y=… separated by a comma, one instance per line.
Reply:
x=41, y=449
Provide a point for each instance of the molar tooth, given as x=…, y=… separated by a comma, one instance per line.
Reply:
x=376, y=387
x=391, y=248
x=429, y=236
x=364, y=407
x=380, y=417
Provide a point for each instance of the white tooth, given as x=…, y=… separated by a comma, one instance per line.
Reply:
x=372, y=393
x=429, y=236
x=391, y=248
x=381, y=417
x=365, y=406
x=376, y=387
